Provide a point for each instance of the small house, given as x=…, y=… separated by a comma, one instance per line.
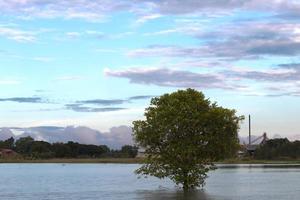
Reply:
x=4, y=153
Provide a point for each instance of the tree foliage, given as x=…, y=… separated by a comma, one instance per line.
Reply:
x=129, y=150
x=280, y=148
x=7, y=144
x=29, y=148
x=23, y=145
x=183, y=134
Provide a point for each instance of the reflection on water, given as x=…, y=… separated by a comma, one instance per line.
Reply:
x=117, y=181
x=168, y=195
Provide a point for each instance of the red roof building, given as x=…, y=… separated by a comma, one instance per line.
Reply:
x=7, y=153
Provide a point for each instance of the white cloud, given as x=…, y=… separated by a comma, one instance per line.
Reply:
x=73, y=34
x=97, y=10
x=17, y=34
x=146, y=18
x=173, y=78
x=96, y=34
x=92, y=17
x=234, y=41
x=93, y=11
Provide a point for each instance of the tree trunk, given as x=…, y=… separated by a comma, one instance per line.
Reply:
x=186, y=182
x=185, y=186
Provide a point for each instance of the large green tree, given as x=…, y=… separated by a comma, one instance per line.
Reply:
x=183, y=134
x=23, y=145
x=7, y=144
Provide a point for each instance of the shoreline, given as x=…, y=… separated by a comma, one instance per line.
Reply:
x=76, y=160
x=135, y=161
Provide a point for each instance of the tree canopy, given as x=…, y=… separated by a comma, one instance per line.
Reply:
x=183, y=134
x=279, y=149
x=27, y=147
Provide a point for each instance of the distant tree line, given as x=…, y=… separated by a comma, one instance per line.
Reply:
x=278, y=149
x=29, y=148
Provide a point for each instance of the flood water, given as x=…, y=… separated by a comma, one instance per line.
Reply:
x=117, y=181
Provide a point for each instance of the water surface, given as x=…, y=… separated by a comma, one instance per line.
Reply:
x=117, y=181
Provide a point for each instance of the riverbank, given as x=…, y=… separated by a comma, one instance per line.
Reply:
x=136, y=160
x=252, y=161
x=75, y=160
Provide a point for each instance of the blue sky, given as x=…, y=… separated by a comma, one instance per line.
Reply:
x=98, y=63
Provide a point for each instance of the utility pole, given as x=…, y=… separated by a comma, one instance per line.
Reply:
x=249, y=130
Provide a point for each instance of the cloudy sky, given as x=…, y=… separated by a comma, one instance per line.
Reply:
x=98, y=63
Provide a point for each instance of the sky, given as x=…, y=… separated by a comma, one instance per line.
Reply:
x=98, y=63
